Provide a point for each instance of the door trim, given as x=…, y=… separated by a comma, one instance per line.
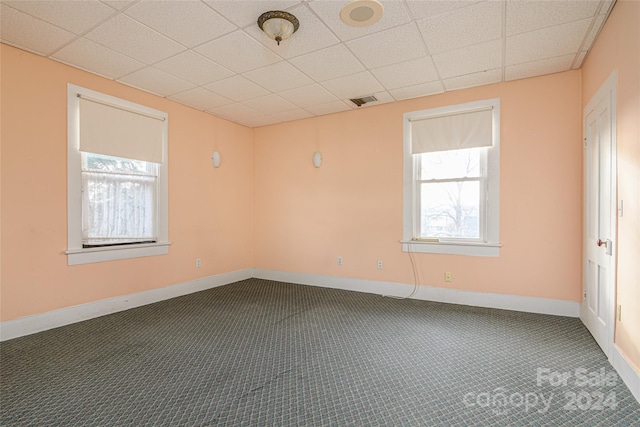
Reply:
x=609, y=87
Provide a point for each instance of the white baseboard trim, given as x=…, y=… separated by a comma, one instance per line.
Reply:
x=53, y=319
x=429, y=293
x=625, y=370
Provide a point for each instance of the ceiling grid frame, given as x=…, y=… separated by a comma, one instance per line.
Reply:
x=298, y=75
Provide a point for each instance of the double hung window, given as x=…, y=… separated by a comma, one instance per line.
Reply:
x=117, y=178
x=451, y=167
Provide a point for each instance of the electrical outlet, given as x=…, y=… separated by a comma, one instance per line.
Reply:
x=619, y=313
x=447, y=276
x=379, y=264
x=339, y=260
x=198, y=262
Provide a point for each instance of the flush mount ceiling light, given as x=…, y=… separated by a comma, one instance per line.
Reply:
x=278, y=25
x=361, y=13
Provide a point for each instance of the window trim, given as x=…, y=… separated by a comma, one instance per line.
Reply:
x=76, y=254
x=491, y=247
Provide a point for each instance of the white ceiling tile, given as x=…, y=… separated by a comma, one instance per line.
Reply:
x=389, y=47
x=235, y=112
x=469, y=59
x=328, y=108
x=133, y=39
x=546, y=43
x=188, y=22
x=463, y=27
x=201, y=99
x=528, y=15
x=270, y=104
x=98, y=59
x=475, y=79
x=278, y=77
x=308, y=95
x=408, y=73
x=74, y=16
x=311, y=36
x=539, y=68
x=429, y=9
x=238, y=52
x=193, y=68
x=384, y=97
x=237, y=88
x=247, y=12
x=329, y=63
x=118, y=4
x=416, y=91
x=296, y=114
x=22, y=30
x=156, y=81
x=355, y=85
x=257, y=121
x=579, y=59
x=395, y=14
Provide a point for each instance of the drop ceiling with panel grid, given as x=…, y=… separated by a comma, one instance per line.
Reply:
x=212, y=56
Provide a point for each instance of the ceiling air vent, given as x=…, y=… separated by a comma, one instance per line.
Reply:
x=361, y=101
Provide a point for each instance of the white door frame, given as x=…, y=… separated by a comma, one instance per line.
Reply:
x=609, y=87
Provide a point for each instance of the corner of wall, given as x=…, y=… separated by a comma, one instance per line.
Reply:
x=253, y=198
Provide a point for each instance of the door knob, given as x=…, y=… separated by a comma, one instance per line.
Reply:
x=608, y=245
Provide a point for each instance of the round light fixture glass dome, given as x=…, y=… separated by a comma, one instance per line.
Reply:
x=278, y=25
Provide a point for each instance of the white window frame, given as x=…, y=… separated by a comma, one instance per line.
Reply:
x=491, y=245
x=76, y=254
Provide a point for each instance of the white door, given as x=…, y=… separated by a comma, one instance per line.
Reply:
x=597, y=308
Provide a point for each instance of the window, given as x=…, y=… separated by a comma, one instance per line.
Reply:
x=451, y=179
x=449, y=187
x=118, y=201
x=117, y=178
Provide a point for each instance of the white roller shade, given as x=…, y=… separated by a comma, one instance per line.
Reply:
x=115, y=131
x=469, y=129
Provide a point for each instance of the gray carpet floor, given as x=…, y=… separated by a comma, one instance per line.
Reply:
x=262, y=353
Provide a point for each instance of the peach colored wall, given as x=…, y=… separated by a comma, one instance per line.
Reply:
x=293, y=216
x=618, y=48
x=210, y=210
x=352, y=206
x=0, y=184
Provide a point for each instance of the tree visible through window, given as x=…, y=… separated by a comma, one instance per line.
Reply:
x=450, y=187
x=451, y=192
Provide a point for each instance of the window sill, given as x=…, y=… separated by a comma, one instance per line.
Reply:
x=113, y=253
x=452, y=248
